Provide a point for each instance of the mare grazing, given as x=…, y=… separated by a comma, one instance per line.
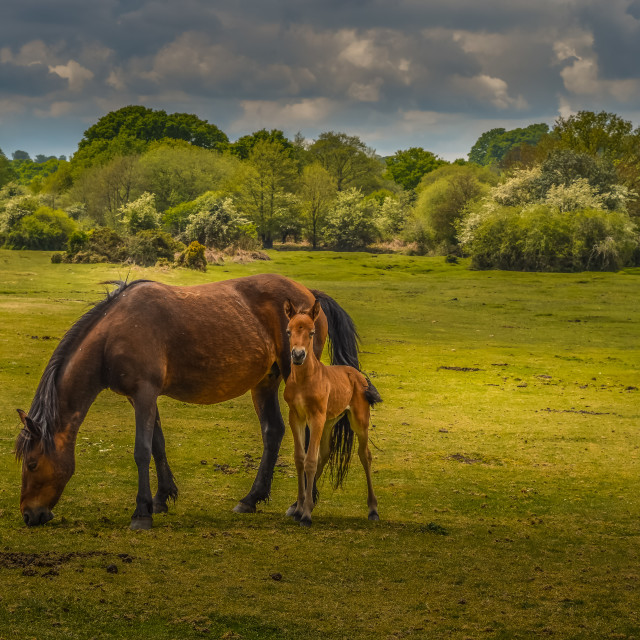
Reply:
x=320, y=396
x=202, y=344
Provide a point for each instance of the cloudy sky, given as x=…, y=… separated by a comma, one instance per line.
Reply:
x=430, y=73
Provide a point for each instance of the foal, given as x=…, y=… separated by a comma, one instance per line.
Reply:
x=318, y=396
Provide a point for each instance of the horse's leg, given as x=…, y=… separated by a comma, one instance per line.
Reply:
x=316, y=426
x=267, y=406
x=145, y=408
x=360, y=424
x=166, y=484
x=297, y=427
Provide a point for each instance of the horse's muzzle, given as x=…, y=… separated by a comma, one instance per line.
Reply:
x=298, y=356
x=35, y=517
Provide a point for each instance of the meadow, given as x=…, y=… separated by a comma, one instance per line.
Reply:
x=506, y=465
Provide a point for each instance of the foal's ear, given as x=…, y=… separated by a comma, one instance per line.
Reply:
x=314, y=312
x=289, y=309
x=27, y=422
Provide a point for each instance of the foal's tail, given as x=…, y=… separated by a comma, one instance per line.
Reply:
x=343, y=349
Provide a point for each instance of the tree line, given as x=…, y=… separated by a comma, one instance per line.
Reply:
x=144, y=183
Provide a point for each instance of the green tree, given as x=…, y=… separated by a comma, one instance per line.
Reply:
x=20, y=155
x=493, y=146
x=145, y=124
x=480, y=149
x=443, y=198
x=272, y=174
x=176, y=172
x=348, y=160
x=317, y=191
x=243, y=146
x=406, y=168
x=6, y=170
x=604, y=135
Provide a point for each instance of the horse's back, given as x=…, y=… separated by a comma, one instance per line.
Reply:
x=204, y=343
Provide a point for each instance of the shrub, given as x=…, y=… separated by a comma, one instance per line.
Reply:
x=56, y=258
x=147, y=247
x=351, y=223
x=45, y=229
x=215, y=222
x=193, y=257
x=141, y=214
x=545, y=239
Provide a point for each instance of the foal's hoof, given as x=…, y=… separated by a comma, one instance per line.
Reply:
x=374, y=516
x=305, y=522
x=291, y=511
x=242, y=507
x=139, y=524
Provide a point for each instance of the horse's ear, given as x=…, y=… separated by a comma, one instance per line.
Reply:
x=314, y=312
x=27, y=422
x=289, y=309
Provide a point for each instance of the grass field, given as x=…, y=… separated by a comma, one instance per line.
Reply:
x=506, y=464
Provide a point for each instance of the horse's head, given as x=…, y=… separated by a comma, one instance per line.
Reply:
x=300, y=330
x=47, y=464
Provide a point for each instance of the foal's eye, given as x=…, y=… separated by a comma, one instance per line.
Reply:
x=32, y=465
x=289, y=332
x=312, y=333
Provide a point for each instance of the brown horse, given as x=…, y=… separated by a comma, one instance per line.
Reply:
x=202, y=344
x=319, y=396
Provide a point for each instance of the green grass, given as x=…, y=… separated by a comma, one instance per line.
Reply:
x=509, y=495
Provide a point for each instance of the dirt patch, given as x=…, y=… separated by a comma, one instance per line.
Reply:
x=583, y=411
x=459, y=457
x=239, y=256
x=460, y=368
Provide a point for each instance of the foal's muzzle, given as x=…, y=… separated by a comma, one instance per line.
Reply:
x=298, y=355
x=35, y=517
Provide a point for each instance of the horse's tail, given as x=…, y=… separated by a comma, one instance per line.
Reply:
x=343, y=349
x=371, y=394
x=343, y=335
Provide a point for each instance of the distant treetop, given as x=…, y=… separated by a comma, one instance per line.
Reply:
x=147, y=125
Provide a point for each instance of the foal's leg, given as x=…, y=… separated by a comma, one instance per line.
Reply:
x=360, y=424
x=166, y=485
x=145, y=408
x=316, y=426
x=267, y=406
x=297, y=425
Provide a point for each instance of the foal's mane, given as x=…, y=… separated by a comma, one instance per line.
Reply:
x=44, y=414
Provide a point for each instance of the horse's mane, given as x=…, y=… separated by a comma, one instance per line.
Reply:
x=43, y=413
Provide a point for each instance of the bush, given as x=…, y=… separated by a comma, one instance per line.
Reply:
x=351, y=223
x=147, y=247
x=45, y=229
x=98, y=245
x=193, y=257
x=141, y=214
x=545, y=239
x=215, y=222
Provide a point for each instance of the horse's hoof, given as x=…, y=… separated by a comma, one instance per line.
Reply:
x=297, y=516
x=374, y=516
x=139, y=524
x=305, y=522
x=160, y=507
x=292, y=510
x=242, y=507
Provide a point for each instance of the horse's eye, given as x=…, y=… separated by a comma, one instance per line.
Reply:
x=32, y=465
x=312, y=333
x=288, y=332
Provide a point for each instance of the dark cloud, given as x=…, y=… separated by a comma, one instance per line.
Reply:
x=323, y=65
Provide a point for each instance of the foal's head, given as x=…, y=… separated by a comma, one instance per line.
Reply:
x=300, y=330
